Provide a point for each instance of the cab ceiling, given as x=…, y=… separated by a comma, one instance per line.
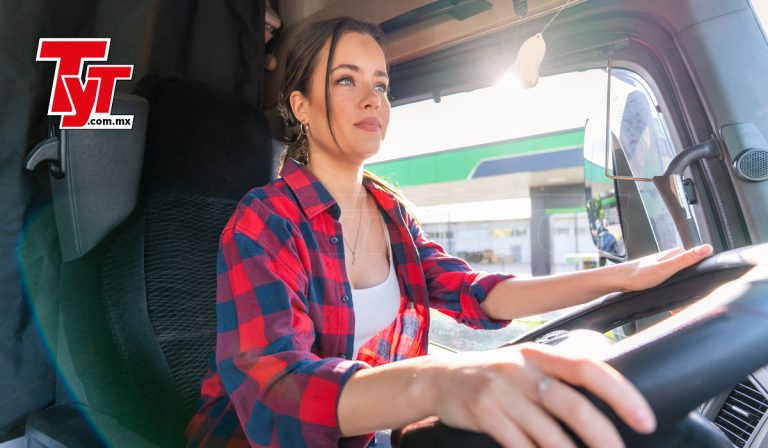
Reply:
x=408, y=44
x=423, y=38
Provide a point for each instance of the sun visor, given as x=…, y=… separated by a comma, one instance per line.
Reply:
x=95, y=176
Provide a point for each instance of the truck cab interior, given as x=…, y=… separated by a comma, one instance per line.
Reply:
x=109, y=236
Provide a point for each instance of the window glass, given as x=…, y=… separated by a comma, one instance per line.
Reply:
x=645, y=141
x=637, y=130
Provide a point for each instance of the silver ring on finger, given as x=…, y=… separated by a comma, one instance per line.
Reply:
x=543, y=386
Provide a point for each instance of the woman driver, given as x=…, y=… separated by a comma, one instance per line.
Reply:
x=325, y=278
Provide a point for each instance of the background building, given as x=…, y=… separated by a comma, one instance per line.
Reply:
x=513, y=205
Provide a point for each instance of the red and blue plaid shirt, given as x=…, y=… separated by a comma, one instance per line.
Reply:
x=285, y=320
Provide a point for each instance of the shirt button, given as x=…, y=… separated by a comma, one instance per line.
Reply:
x=345, y=298
x=334, y=240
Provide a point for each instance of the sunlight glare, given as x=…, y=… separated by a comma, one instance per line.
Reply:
x=497, y=113
x=509, y=81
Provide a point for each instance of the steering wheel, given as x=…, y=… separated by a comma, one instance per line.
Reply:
x=676, y=364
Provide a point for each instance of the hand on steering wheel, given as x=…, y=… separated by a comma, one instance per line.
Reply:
x=517, y=394
x=654, y=269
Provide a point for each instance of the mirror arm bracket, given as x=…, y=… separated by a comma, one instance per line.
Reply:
x=672, y=189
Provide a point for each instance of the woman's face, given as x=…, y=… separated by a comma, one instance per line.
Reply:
x=358, y=86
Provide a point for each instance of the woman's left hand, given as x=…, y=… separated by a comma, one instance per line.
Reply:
x=647, y=272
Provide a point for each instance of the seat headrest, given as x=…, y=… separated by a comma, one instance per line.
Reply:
x=203, y=141
x=95, y=176
x=187, y=138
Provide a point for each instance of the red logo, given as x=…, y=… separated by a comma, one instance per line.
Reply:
x=84, y=103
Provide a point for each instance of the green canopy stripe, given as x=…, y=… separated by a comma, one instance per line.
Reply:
x=458, y=164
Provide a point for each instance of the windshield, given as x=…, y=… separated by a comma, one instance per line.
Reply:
x=497, y=178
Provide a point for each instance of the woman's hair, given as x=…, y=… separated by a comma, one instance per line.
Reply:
x=301, y=62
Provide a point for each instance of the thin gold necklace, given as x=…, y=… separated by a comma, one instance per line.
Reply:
x=359, y=225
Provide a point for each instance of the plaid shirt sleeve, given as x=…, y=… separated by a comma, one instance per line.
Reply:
x=454, y=288
x=283, y=394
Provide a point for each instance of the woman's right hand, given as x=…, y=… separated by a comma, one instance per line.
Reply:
x=516, y=395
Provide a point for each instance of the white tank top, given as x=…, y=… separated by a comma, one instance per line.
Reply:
x=376, y=307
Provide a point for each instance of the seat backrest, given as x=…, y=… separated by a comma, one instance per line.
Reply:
x=138, y=311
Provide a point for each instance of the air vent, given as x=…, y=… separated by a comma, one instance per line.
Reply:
x=741, y=413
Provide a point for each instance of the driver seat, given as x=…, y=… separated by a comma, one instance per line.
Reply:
x=137, y=311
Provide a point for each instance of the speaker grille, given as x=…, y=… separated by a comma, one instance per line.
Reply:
x=752, y=165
